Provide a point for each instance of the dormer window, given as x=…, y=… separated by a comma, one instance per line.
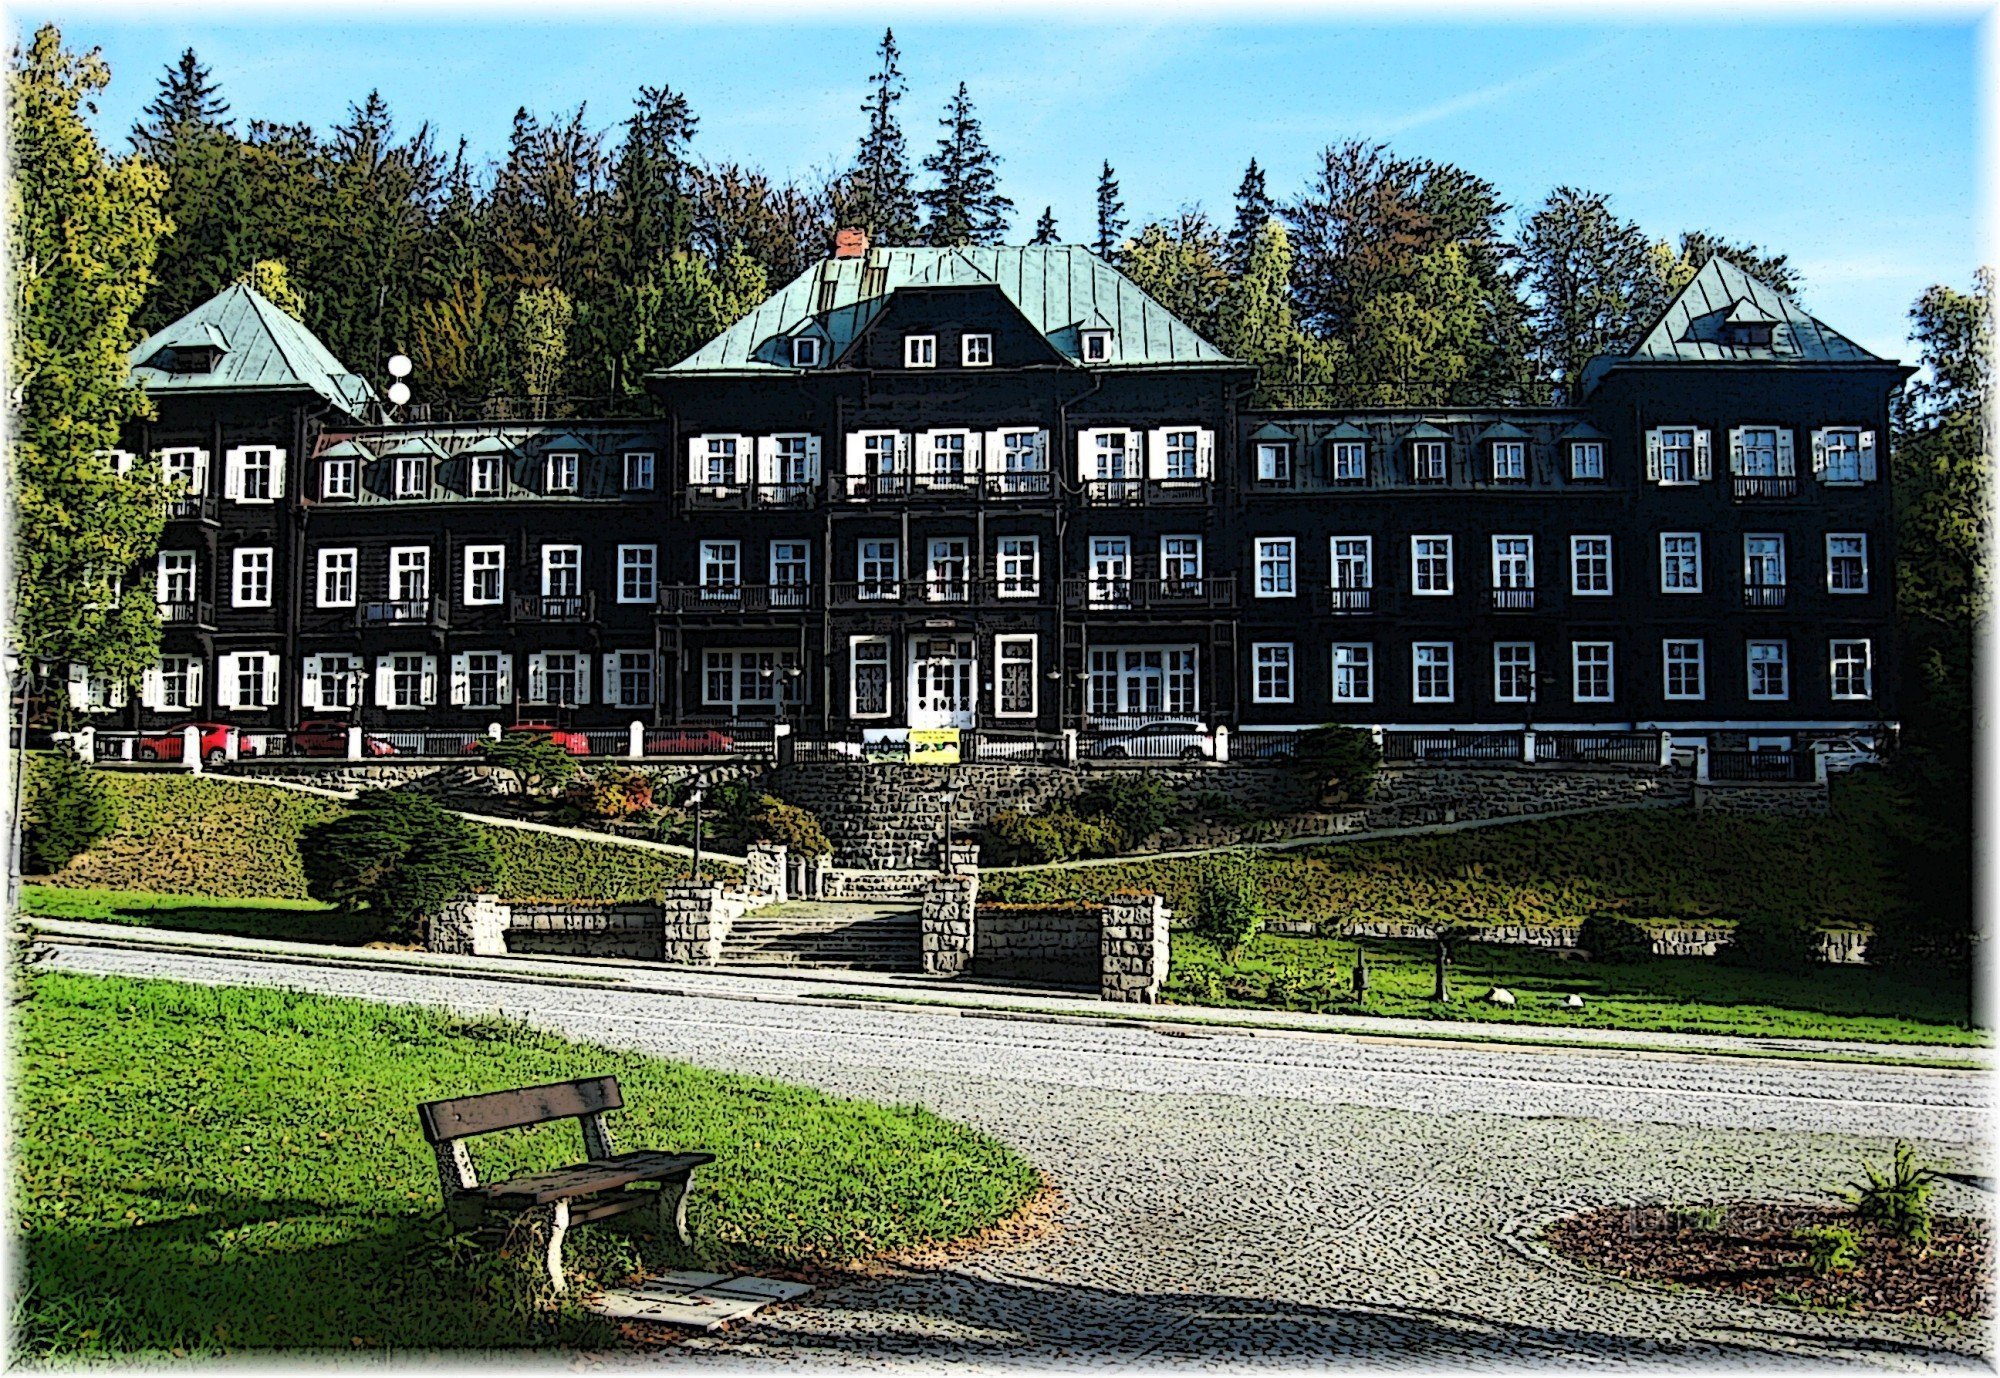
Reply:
x=805, y=352
x=413, y=476
x=1748, y=333
x=976, y=351
x=187, y=359
x=920, y=351
x=1096, y=346
x=561, y=472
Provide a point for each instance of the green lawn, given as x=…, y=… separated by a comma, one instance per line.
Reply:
x=199, y=1171
x=1686, y=995
x=298, y=921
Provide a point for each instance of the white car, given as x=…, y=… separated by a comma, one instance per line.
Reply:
x=1168, y=741
x=1847, y=753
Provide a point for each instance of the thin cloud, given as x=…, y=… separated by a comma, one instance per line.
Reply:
x=1493, y=94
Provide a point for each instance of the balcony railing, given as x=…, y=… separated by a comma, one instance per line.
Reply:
x=1146, y=492
x=1751, y=489
x=944, y=487
x=410, y=611
x=570, y=607
x=197, y=613
x=731, y=599
x=881, y=593
x=1763, y=595
x=1514, y=600
x=194, y=507
x=742, y=497
x=1347, y=601
x=1144, y=595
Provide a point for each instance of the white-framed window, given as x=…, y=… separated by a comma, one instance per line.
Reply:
x=1846, y=562
x=947, y=457
x=950, y=561
x=1852, y=669
x=1112, y=455
x=559, y=678
x=1687, y=669
x=1590, y=668
x=1274, y=461
x=336, y=478
x=628, y=679
x=1844, y=454
x=792, y=463
x=256, y=472
x=805, y=351
x=409, y=573
x=1183, y=455
x=638, y=567
x=487, y=679
x=413, y=476
x=868, y=677
x=1019, y=559
x=559, y=471
x=1680, y=562
x=1096, y=346
x=1015, y=687
x=484, y=476
x=485, y=575
x=336, y=577
x=1353, y=671
x=1430, y=680
x=1430, y=565
x=791, y=568
x=719, y=461
x=975, y=351
x=1180, y=565
x=246, y=679
x=1513, y=671
x=736, y=679
x=1764, y=561
x=1110, y=569
x=880, y=454
x=1586, y=460
x=331, y=681
x=919, y=351
x=1143, y=681
x=1427, y=461
x=1510, y=461
x=1760, y=452
x=562, y=571
x=1350, y=461
x=879, y=567
x=1024, y=459
x=1353, y=562
x=1273, y=665
x=1275, y=566
x=1590, y=565
x=1677, y=455
x=1513, y=562
x=638, y=471
x=179, y=684
x=721, y=566
x=251, y=582
x=1769, y=675
x=187, y=465
x=176, y=576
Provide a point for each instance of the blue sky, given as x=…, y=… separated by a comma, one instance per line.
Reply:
x=1850, y=144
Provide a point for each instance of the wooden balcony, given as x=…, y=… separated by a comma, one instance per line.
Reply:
x=1764, y=595
x=195, y=507
x=1763, y=488
x=736, y=600
x=198, y=613
x=411, y=612
x=572, y=607
x=746, y=497
x=1344, y=602
x=935, y=593
x=1146, y=492
x=1513, y=600
x=999, y=487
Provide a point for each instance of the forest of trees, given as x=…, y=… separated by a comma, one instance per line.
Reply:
x=587, y=256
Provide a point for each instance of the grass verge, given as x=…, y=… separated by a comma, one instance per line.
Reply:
x=200, y=1171
x=285, y=920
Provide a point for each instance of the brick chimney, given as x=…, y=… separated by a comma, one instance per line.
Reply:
x=850, y=243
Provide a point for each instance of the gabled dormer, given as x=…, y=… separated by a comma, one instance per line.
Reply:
x=240, y=341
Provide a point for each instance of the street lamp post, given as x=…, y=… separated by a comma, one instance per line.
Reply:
x=949, y=795
x=695, y=799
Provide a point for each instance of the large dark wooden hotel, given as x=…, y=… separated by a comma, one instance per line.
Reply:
x=1003, y=488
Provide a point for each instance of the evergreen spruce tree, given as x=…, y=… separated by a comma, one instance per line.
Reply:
x=965, y=206
x=188, y=100
x=1253, y=207
x=1045, y=228
x=188, y=134
x=1110, y=214
x=884, y=202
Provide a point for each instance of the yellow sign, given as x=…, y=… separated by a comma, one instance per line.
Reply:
x=934, y=746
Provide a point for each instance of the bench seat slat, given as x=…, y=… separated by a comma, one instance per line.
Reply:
x=463, y=1116
x=582, y=1179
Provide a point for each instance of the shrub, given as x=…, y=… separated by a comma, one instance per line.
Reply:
x=73, y=813
x=397, y=855
x=1830, y=1249
x=791, y=825
x=536, y=761
x=1344, y=758
x=1774, y=942
x=611, y=794
x=1229, y=908
x=1899, y=1199
x=1200, y=984
x=1609, y=938
x=1058, y=835
x=1137, y=803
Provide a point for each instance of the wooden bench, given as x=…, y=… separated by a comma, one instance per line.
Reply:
x=595, y=1189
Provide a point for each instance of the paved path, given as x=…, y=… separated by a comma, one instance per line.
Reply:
x=1259, y=1199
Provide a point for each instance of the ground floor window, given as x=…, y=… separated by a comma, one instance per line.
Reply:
x=1431, y=662
x=869, y=681
x=406, y=681
x=1353, y=672
x=1592, y=661
x=1016, y=656
x=176, y=684
x=484, y=676
x=1853, y=677
x=1141, y=681
x=333, y=681
x=1273, y=665
x=1684, y=670
x=1768, y=678
x=750, y=679
x=247, y=679
x=1513, y=671
x=628, y=678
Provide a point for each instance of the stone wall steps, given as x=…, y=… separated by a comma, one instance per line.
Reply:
x=870, y=937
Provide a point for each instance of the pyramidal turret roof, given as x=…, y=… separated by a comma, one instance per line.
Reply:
x=1062, y=290
x=258, y=347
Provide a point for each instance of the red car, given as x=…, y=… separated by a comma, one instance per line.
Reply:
x=689, y=741
x=167, y=746
x=575, y=743
x=328, y=737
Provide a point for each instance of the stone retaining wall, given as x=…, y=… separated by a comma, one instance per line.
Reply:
x=1404, y=796
x=1841, y=946
x=950, y=903
x=1134, y=949
x=585, y=930
x=1806, y=800
x=1056, y=946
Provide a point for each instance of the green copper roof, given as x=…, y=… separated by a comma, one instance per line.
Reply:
x=1062, y=289
x=262, y=348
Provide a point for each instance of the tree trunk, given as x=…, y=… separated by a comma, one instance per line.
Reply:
x=1443, y=992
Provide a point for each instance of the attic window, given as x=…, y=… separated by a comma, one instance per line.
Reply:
x=1096, y=346
x=805, y=351
x=187, y=359
x=920, y=351
x=1747, y=333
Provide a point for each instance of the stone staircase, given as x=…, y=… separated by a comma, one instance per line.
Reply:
x=817, y=933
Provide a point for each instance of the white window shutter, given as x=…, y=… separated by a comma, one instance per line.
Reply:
x=1652, y=456
x=906, y=453
x=812, y=459
x=538, y=678
x=697, y=457
x=1868, y=456
x=582, y=679
x=610, y=677
x=460, y=681
x=1086, y=453
x=857, y=455
x=1819, y=453
x=746, y=449
x=1204, y=454
x=1787, y=461
x=194, y=685
x=430, y=686
x=1703, y=463
x=277, y=475
x=309, y=691
x=160, y=578
x=382, y=694
x=1156, y=453
x=993, y=451
x=1736, y=450
x=120, y=693
x=767, y=459
x=506, y=679
x=152, y=688
x=232, y=474
x=271, y=681
x=225, y=680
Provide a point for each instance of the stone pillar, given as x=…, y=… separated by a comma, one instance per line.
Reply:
x=191, y=748
x=493, y=730
x=1222, y=745
x=949, y=902
x=1701, y=764
x=964, y=858
x=353, y=742
x=1070, y=751
x=1666, y=749
x=86, y=742
x=1528, y=748
x=126, y=746
x=232, y=743
x=635, y=739
x=766, y=871
x=474, y=925
x=692, y=926
x=1819, y=763
x=1132, y=949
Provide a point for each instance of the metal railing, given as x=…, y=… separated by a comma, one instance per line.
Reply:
x=996, y=744
x=726, y=737
x=1146, y=492
x=1254, y=744
x=197, y=613
x=1741, y=767
x=570, y=607
x=194, y=507
x=1451, y=746
x=735, y=497
x=1017, y=483
x=1217, y=591
x=444, y=745
x=875, y=593
x=401, y=610
x=1513, y=600
x=730, y=599
x=1763, y=595
x=1346, y=600
x=1601, y=748
x=1750, y=489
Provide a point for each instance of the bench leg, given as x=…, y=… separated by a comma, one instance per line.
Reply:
x=674, y=1207
x=558, y=1227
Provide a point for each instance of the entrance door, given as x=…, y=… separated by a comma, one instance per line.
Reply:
x=941, y=681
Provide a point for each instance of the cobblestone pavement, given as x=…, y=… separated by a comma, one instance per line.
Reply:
x=1233, y=1200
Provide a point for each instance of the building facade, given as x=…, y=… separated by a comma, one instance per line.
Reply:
x=1003, y=488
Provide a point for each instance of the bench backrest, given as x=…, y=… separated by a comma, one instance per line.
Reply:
x=460, y=1118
